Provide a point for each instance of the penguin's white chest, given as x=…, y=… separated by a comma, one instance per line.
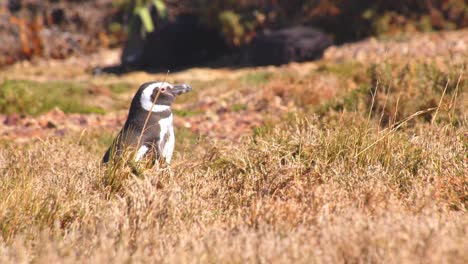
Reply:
x=166, y=138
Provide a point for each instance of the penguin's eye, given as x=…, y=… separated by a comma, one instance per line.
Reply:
x=162, y=89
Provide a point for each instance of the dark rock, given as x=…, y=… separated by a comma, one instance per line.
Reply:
x=288, y=45
x=14, y=5
x=50, y=124
x=57, y=15
x=184, y=42
x=12, y=120
x=60, y=132
x=82, y=121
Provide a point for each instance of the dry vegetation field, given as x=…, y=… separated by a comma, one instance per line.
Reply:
x=335, y=161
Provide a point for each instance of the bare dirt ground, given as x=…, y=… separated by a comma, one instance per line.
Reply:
x=215, y=119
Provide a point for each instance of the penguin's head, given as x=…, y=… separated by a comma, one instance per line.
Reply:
x=162, y=94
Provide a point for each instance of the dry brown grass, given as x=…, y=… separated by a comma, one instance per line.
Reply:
x=349, y=185
x=296, y=192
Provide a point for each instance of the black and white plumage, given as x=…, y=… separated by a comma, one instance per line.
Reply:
x=157, y=138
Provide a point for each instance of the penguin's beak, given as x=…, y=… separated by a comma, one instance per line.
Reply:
x=179, y=89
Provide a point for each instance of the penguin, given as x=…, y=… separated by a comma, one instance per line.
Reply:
x=149, y=129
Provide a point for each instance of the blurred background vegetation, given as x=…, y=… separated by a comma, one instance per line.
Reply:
x=58, y=28
x=345, y=20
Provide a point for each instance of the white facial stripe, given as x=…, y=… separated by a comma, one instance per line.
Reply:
x=141, y=152
x=146, y=101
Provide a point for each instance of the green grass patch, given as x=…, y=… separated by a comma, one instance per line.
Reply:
x=185, y=137
x=239, y=107
x=350, y=101
x=256, y=78
x=34, y=98
x=121, y=87
x=185, y=113
x=345, y=70
x=98, y=139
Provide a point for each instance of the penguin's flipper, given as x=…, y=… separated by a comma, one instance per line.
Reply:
x=105, y=159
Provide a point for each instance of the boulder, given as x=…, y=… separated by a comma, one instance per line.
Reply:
x=178, y=44
x=288, y=45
